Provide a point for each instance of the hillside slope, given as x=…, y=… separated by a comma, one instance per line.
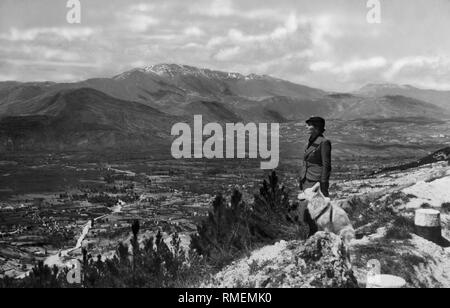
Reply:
x=382, y=209
x=438, y=98
x=82, y=119
x=181, y=90
x=441, y=155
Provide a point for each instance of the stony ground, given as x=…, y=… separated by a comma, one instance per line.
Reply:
x=318, y=262
x=420, y=262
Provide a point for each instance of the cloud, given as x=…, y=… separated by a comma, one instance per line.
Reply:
x=230, y=9
x=323, y=28
x=287, y=65
x=139, y=17
x=422, y=71
x=350, y=66
x=142, y=7
x=227, y=54
x=362, y=64
x=321, y=66
x=140, y=22
x=192, y=46
x=326, y=44
x=214, y=8
x=292, y=44
x=259, y=49
x=47, y=53
x=289, y=27
x=32, y=34
x=44, y=63
x=194, y=31
x=263, y=14
x=439, y=64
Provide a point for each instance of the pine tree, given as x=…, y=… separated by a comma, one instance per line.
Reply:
x=232, y=230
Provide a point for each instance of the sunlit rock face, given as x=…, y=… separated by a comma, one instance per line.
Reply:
x=318, y=262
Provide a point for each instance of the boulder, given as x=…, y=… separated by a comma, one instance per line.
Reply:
x=319, y=262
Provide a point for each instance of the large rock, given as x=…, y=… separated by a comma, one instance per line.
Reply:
x=318, y=262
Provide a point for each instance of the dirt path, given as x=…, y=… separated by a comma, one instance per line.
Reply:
x=57, y=259
x=10, y=233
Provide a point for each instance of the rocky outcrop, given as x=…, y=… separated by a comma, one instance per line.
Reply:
x=319, y=262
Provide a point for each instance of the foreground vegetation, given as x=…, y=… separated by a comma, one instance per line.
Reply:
x=232, y=229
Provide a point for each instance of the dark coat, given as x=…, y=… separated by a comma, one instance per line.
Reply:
x=316, y=163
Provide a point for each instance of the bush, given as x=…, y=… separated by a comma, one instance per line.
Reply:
x=104, y=199
x=425, y=206
x=108, y=177
x=233, y=230
x=395, y=260
x=446, y=207
x=41, y=276
x=155, y=265
x=226, y=231
x=272, y=214
x=400, y=229
x=368, y=215
x=363, y=212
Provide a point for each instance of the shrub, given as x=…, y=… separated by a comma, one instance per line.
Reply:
x=104, y=199
x=446, y=207
x=155, y=265
x=225, y=232
x=363, y=212
x=395, y=260
x=271, y=217
x=399, y=196
x=368, y=215
x=108, y=177
x=41, y=276
x=233, y=230
x=401, y=229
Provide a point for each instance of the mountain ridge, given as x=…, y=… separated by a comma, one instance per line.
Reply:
x=435, y=97
x=83, y=119
x=141, y=104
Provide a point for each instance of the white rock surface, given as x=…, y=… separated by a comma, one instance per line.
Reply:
x=435, y=193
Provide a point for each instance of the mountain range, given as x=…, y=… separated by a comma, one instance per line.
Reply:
x=137, y=108
x=438, y=98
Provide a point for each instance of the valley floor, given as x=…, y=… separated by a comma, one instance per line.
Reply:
x=49, y=226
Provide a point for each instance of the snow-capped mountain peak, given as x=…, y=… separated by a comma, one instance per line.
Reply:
x=173, y=70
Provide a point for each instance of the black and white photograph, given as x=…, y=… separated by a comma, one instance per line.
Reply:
x=210, y=145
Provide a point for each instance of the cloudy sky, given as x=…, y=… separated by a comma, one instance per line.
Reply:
x=322, y=43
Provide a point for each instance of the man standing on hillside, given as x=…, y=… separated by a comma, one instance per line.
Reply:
x=316, y=163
